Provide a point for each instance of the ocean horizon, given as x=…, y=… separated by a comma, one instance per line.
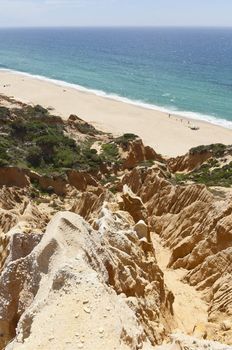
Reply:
x=182, y=71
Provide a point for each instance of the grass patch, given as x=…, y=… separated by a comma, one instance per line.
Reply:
x=217, y=149
x=110, y=152
x=219, y=176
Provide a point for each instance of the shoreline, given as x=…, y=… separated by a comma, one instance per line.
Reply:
x=138, y=103
x=167, y=132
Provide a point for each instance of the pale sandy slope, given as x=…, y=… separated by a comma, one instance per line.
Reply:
x=169, y=136
x=189, y=307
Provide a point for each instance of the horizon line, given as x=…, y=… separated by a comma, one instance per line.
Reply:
x=116, y=26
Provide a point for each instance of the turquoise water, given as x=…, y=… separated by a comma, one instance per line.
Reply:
x=182, y=70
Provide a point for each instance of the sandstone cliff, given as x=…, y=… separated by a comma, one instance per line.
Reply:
x=196, y=226
x=97, y=288
x=138, y=248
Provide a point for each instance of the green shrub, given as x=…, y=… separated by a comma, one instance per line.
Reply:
x=18, y=129
x=217, y=149
x=124, y=139
x=4, y=148
x=64, y=158
x=110, y=152
x=86, y=128
x=147, y=163
x=4, y=112
x=89, y=159
x=35, y=111
x=34, y=156
x=51, y=140
x=3, y=162
x=4, y=142
x=220, y=176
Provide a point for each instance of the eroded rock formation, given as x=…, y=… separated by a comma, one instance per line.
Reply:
x=99, y=286
x=196, y=227
x=92, y=280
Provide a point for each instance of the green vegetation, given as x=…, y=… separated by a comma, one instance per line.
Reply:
x=124, y=139
x=212, y=172
x=111, y=182
x=86, y=128
x=147, y=163
x=110, y=152
x=4, y=112
x=90, y=157
x=30, y=137
x=217, y=149
x=34, y=156
x=217, y=176
x=33, y=138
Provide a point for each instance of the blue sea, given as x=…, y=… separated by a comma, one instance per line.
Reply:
x=183, y=70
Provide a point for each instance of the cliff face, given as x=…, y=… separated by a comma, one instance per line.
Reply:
x=192, y=222
x=100, y=286
x=117, y=249
x=132, y=240
x=197, y=228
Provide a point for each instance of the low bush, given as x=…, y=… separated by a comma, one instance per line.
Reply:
x=4, y=112
x=110, y=152
x=217, y=149
x=34, y=156
x=124, y=139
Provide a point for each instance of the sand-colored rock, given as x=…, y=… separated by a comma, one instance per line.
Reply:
x=18, y=215
x=89, y=205
x=136, y=153
x=100, y=286
x=196, y=227
x=133, y=204
x=12, y=176
x=80, y=180
x=183, y=342
x=142, y=230
x=188, y=162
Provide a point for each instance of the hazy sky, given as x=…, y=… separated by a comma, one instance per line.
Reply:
x=115, y=12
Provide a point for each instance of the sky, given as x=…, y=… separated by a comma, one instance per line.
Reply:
x=17, y=13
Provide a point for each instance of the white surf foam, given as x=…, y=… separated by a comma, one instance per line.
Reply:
x=185, y=114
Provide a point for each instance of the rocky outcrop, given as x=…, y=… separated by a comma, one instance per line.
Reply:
x=89, y=205
x=136, y=153
x=81, y=180
x=133, y=205
x=56, y=184
x=197, y=229
x=12, y=176
x=160, y=195
x=188, y=162
x=185, y=342
x=23, y=178
x=79, y=125
x=17, y=214
x=93, y=279
x=109, y=291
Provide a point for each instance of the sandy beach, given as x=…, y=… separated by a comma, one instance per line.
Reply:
x=168, y=135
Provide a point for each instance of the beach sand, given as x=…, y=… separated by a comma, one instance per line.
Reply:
x=168, y=135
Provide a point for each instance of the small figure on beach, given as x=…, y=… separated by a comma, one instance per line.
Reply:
x=193, y=127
